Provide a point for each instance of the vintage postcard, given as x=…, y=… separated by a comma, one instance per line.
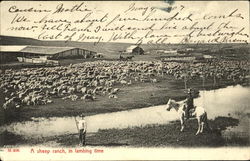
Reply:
x=124, y=80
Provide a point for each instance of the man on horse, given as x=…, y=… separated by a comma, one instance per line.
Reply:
x=189, y=103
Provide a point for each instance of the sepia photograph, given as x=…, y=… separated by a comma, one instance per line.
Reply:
x=124, y=80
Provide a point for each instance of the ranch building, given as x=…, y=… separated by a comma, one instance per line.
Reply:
x=136, y=50
x=41, y=53
x=9, y=53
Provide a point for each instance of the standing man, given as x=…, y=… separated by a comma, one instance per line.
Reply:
x=190, y=102
x=82, y=126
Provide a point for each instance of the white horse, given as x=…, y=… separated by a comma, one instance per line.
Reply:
x=198, y=112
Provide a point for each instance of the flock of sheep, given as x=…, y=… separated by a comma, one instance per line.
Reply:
x=90, y=80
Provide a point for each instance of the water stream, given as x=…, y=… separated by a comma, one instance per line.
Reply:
x=232, y=100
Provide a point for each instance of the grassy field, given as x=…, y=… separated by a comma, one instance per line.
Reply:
x=133, y=96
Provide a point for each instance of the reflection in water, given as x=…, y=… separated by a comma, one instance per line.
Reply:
x=232, y=100
x=42, y=127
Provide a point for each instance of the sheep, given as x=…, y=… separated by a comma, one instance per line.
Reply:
x=87, y=97
x=123, y=82
x=83, y=90
x=9, y=104
x=154, y=80
x=71, y=90
x=115, y=90
x=27, y=100
x=113, y=96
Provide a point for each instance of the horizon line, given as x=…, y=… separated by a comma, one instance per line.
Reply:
x=65, y=41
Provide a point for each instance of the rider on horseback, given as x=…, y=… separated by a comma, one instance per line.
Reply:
x=189, y=102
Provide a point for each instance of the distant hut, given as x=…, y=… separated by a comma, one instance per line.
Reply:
x=135, y=50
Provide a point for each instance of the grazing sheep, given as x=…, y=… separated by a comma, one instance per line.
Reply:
x=87, y=97
x=83, y=90
x=8, y=104
x=113, y=96
x=115, y=90
x=71, y=90
x=154, y=80
x=96, y=77
x=123, y=82
x=108, y=89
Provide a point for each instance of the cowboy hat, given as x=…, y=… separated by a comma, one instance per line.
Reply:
x=82, y=115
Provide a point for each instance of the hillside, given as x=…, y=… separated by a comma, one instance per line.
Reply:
x=101, y=47
x=114, y=48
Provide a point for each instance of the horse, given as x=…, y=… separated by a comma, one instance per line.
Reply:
x=199, y=113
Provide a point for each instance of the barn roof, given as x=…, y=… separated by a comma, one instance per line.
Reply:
x=12, y=48
x=45, y=49
x=48, y=50
x=132, y=47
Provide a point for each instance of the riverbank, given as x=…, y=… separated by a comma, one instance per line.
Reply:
x=167, y=135
x=146, y=127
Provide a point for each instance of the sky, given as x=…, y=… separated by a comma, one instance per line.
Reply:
x=113, y=8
